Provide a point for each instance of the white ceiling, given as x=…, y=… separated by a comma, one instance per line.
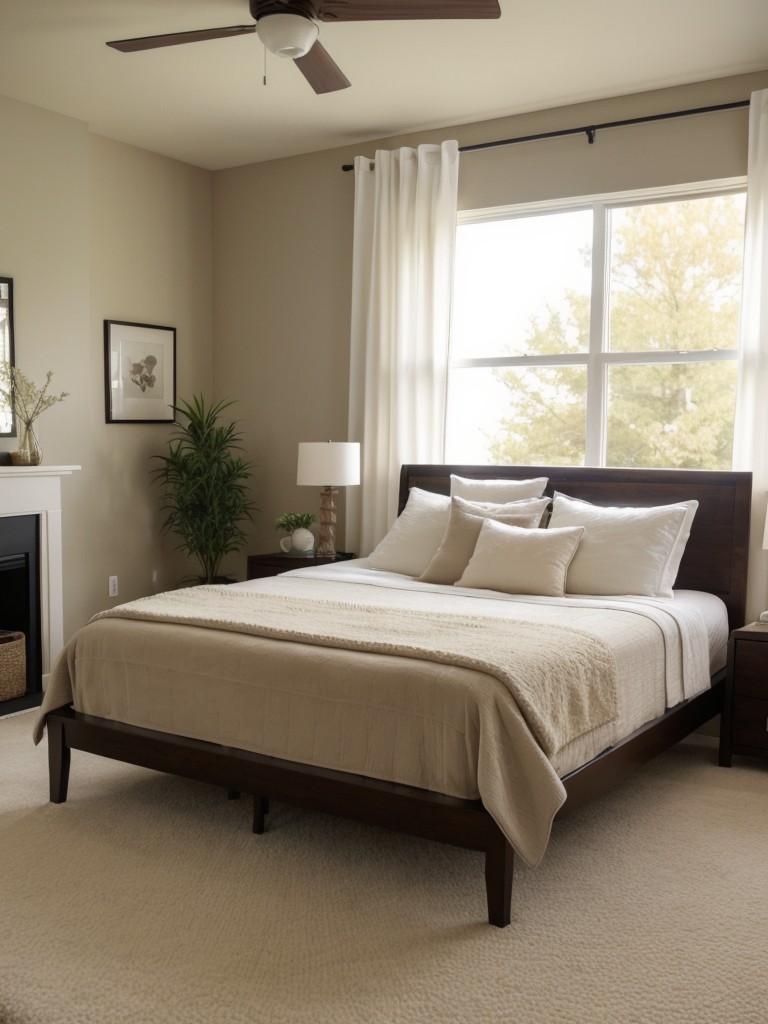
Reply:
x=205, y=103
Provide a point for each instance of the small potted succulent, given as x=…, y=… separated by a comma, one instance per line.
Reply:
x=301, y=540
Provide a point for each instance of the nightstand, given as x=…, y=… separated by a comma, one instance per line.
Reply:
x=273, y=564
x=744, y=722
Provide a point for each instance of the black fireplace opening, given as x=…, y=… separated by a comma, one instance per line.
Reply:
x=20, y=613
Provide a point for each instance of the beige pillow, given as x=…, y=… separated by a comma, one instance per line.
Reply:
x=462, y=532
x=517, y=561
x=496, y=490
x=507, y=508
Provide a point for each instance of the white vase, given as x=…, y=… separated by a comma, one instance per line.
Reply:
x=300, y=542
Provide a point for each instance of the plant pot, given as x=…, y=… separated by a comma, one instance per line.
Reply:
x=301, y=543
x=201, y=581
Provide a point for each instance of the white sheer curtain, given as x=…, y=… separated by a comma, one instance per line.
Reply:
x=751, y=431
x=402, y=277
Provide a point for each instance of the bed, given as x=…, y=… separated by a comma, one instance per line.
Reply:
x=359, y=716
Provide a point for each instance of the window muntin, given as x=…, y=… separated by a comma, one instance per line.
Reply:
x=652, y=310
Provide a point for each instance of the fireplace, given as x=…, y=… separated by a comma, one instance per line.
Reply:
x=21, y=673
x=31, y=598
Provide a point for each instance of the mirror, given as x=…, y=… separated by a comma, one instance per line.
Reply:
x=7, y=426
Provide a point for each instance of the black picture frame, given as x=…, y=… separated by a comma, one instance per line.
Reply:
x=139, y=372
x=7, y=353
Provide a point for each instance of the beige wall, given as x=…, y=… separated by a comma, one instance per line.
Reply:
x=283, y=236
x=282, y=267
x=150, y=262
x=94, y=230
x=253, y=267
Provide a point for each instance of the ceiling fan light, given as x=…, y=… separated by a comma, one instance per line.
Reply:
x=287, y=35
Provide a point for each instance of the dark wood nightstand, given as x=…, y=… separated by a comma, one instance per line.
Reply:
x=276, y=562
x=744, y=723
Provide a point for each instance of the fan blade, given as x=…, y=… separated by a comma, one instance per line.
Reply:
x=175, y=38
x=401, y=10
x=321, y=71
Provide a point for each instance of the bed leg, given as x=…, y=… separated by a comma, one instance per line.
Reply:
x=260, y=811
x=499, y=865
x=58, y=760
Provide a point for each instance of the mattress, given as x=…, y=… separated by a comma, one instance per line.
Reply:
x=442, y=727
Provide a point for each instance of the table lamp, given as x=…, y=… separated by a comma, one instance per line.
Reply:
x=330, y=465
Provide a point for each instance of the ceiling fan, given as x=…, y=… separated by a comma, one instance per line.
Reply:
x=289, y=28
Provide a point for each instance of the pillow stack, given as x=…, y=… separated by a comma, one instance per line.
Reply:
x=465, y=522
x=435, y=535
x=487, y=535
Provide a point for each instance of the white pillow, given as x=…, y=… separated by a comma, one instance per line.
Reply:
x=496, y=490
x=462, y=532
x=519, y=561
x=415, y=536
x=625, y=550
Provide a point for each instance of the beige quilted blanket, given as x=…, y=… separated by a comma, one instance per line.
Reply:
x=563, y=680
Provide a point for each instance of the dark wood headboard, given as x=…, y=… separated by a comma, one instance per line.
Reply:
x=715, y=558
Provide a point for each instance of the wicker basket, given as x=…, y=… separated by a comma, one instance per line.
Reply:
x=13, y=664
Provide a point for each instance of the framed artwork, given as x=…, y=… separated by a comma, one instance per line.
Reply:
x=7, y=426
x=139, y=372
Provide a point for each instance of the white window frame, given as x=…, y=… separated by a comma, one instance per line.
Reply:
x=597, y=358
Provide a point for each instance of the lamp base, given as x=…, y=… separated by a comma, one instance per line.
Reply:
x=327, y=536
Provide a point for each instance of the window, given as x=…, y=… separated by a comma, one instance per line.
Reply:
x=604, y=332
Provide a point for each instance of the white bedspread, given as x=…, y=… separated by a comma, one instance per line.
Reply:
x=453, y=729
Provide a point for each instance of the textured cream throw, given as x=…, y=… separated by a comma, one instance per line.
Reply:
x=563, y=680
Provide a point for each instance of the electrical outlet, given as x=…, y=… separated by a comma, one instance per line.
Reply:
x=112, y=586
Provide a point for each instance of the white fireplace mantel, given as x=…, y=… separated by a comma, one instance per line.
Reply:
x=36, y=490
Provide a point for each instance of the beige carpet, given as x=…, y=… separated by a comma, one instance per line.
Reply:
x=146, y=899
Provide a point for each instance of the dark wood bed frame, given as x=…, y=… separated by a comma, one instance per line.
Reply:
x=715, y=560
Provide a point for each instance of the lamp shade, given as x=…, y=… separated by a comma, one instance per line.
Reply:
x=287, y=35
x=328, y=463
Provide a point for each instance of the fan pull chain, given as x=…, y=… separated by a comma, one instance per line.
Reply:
x=264, y=80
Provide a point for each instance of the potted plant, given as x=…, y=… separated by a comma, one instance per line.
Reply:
x=205, y=493
x=301, y=540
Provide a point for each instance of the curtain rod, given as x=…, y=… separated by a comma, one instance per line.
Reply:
x=591, y=130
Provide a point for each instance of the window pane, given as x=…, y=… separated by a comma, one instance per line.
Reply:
x=679, y=414
x=675, y=275
x=517, y=416
x=522, y=285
